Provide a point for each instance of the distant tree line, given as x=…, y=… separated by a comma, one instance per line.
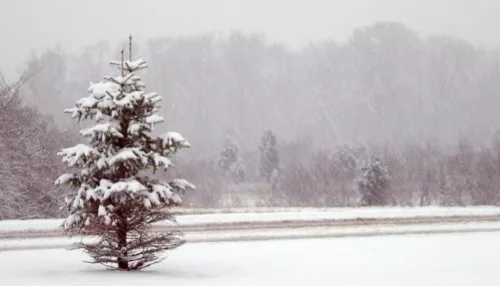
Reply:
x=385, y=85
x=357, y=176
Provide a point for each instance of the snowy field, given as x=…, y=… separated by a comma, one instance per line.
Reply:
x=413, y=260
x=284, y=215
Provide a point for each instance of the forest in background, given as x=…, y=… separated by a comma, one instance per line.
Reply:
x=386, y=118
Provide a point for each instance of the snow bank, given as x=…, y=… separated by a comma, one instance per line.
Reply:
x=30, y=225
x=336, y=214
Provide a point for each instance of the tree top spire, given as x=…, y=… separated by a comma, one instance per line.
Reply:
x=121, y=52
x=130, y=47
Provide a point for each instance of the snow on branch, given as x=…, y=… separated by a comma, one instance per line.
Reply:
x=173, y=141
x=182, y=184
x=65, y=179
x=124, y=80
x=76, y=155
x=102, y=129
x=154, y=119
x=100, y=89
x=131, y=66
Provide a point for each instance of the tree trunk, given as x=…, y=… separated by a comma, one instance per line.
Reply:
x=122, y=245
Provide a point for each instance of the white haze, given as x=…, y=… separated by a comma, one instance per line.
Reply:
x=433, y=91
x=33, y=25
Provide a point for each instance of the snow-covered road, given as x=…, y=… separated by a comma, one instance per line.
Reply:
x=254, y=234
x=291, y=218
x=310, y=223
x=413, y=260
x=210, y=216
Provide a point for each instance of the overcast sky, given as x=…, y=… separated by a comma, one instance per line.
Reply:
x=27, y=25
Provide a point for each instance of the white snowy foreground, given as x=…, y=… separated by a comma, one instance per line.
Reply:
x=416, y=260
x=284, y=215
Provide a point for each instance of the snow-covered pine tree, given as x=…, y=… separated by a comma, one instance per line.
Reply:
x=373, y=182
x=230, y=162
x=115, y=200
x=269, y=159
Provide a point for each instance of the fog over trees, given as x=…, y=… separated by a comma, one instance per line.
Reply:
x=427, y=107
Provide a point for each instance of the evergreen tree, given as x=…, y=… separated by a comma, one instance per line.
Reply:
x=230, y=162
x=115, y=200
x=373, y=182
x=269, y=158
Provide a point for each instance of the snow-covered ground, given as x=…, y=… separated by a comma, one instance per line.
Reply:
x=284, y=215
x=415, y=260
